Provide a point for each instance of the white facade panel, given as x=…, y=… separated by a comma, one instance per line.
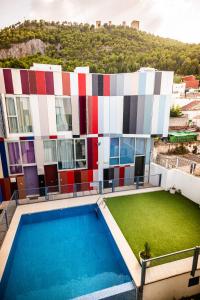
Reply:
x=39, y=155
x=75, y=115
x=89, y=84
x=58, y=88
x=166, y=116
x=134, y=83
x=35, y=115
x=106, y=114
x=128, y=84
x=166, y=83
x=150, y=78
x=116, y=114
x=16, y=81
x=100, y=114
x=2, y=85
x=155, y=112
x=51, y=115
x=74, y=84
x=43, y=111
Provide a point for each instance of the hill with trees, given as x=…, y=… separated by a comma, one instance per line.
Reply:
x=109, y=49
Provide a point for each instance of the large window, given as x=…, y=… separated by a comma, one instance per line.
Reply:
x=65, y=154
x=50, y=152
x=69, y=153
x=80, y=153
x=114, y=151
x=127, y=150
x=19, y=154
x=63, y=114
x=123, y=150
x=19, y=116
x=140, y=146
x=12, y=115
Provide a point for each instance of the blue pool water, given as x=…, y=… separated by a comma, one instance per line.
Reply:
x=62, y=254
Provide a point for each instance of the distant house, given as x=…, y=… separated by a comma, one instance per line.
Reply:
x=192, y=109
x=191, y=82
x=196, y=121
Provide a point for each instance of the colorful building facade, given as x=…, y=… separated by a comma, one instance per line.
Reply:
x=60, y=128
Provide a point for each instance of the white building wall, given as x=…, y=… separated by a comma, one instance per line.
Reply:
x=188, y=184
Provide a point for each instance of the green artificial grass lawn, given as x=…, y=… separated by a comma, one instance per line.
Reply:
x=167, y=222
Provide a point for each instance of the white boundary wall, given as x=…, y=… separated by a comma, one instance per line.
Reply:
x=188, y=184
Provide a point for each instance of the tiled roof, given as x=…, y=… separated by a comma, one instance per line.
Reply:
x=194, y=105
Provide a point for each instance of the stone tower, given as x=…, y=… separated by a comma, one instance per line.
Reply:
x=135, y=24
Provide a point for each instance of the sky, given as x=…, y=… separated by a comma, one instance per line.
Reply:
x=178, y=19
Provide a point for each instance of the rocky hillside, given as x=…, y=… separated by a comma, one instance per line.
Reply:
x=107, y=49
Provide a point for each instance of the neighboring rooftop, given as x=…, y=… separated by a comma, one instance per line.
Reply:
x=194, y=105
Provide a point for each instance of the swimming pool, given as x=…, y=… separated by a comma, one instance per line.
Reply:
x=62, y=254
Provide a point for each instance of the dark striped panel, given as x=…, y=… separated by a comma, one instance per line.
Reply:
x=133, y=114
x=3, y=159
x=126, y=114
x=32, y=82
x=24, y=82
x=8, y=81
x=82, y=114
x=100, y=85
x=95, y=84
x=49, y=83
x=157, y=83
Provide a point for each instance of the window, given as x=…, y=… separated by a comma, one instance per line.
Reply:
x=140, y=146
x=114, y=151
x=24, y=116
x=127, y=150
x=19, y=116
x=80, y=153
x=122, y=151
x=28, y=154
x=65, y=154
x=63, y=114
x=19, y=154
x=50, y=152
x=12, y=116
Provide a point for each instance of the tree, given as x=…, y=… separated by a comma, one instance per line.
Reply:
x=175, y=111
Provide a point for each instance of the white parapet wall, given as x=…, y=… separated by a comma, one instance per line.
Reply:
x=187, y=183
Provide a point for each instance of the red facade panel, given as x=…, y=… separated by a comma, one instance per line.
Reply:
x=40, y=82
x=24, y=82
x=5, y=188
x=63, y=182
x=8, y=81
x=92, y=147
x=32, y=82
x=121, y=176
x=70, y=181
x=93, y=114
x=106, y=85
x=66, y=83
x=49, y=83
x=82, y=84
x=90, y=178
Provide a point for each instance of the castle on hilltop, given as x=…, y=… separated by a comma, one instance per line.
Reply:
x=135, y=24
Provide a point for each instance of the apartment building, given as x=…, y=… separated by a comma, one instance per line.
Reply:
x=60, y=128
